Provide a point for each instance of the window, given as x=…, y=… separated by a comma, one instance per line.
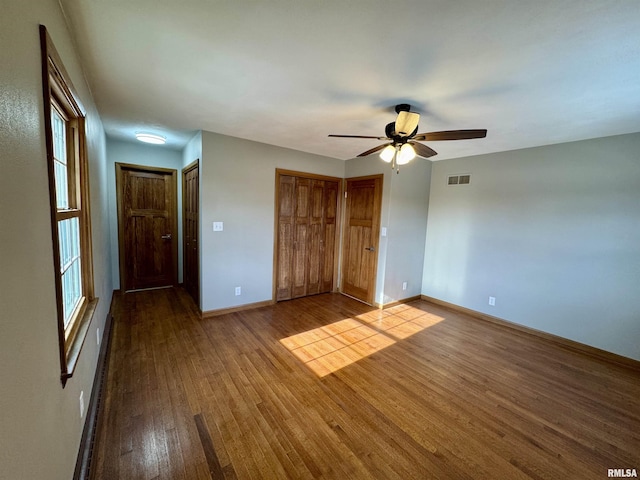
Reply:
x=68, y=188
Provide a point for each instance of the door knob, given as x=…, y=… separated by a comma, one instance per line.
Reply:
x=166, y=237
x=371, y=249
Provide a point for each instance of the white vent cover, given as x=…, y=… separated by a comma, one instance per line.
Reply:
x=460, y=179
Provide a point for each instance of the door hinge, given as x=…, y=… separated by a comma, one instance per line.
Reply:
x=345, y=194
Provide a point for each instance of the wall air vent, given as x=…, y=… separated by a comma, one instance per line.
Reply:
x=463, y=179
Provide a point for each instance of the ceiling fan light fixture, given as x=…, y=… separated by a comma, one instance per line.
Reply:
x=388, y=153
x=405, y=154
x=151, y=138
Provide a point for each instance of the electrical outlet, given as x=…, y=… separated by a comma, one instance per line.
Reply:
x=98, y=336
x=238, y=291
x=218, y=226
x=82, y=404
x=492, y=301
x=404, y=285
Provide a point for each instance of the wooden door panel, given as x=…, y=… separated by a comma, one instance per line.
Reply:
x=328, y=262
x=314, y=259
x=286, y=211
x=147, y=225
x=285, y=254
x=299, y=280
x=330, y=218
x=364, y=198
x=316, y=238
x=357, y=277
x=190, y=216
x=149, y=256
x=301, y=235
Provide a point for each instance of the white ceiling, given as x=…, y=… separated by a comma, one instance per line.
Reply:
x=288, y=73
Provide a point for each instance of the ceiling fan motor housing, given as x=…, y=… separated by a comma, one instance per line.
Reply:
x=390, y=132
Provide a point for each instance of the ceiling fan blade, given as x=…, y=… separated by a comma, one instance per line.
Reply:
x=451, y=135
x=406, y=123
x=423, y=150
x=373, y=150
x=357, y=136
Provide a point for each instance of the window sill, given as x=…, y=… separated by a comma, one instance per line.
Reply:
x=72, y=353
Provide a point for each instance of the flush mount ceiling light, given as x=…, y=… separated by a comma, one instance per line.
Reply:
x=151, y=138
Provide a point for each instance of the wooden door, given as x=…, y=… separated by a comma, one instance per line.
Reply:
x=147, y=212
x=362, y=226
x=285, y=191
x=190, y=222
x=306, y=219
x=301, y=237
x=315, y=254
x=329, y=244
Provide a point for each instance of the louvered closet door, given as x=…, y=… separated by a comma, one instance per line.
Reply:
x=307, y=211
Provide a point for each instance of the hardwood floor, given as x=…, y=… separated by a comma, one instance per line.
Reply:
x=326, y=387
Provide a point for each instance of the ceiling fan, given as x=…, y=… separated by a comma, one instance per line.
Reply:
x=402, y=138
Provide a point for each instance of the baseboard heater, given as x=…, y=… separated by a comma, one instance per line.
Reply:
x=85, y=453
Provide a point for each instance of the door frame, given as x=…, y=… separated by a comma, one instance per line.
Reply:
x=185, y=170
x=375, y=236
x=120, y=167
x=337, y=249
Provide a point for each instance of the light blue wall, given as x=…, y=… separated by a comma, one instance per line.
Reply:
x=192, y=151
x=552, y=232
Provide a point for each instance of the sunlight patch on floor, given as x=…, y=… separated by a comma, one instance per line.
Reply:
x=331, y=347
x=401, y=321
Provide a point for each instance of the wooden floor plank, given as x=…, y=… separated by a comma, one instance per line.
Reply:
x=327, y=387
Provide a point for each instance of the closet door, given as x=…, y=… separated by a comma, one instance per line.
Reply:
x=306, y=229
x=330, y=218
x=315, y=238
x=284, y=255
x=301, y=237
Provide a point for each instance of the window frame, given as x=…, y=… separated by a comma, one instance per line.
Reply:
x=59, y=94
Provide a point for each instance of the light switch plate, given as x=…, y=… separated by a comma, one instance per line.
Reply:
x=218, y=226
x=384, y=231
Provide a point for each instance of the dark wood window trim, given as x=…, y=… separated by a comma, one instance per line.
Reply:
x=59, y=93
